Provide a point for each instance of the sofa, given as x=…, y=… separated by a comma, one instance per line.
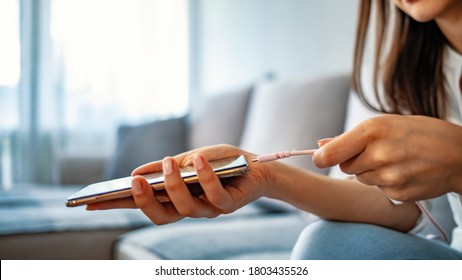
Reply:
x=264, y=117
x=267, y=117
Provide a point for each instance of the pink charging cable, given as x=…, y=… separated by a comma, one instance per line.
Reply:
x=286, y=154
x=432, y=220
x=281, y=155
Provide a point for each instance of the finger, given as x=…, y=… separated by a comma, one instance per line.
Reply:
x=179, y=193
x=154, y=166
x=374, y=157
x=357, y=165
x=213, y=189
x=386, y=177
x=144, y=198
x=340, y=149
x=324, y=141
x=113, y=204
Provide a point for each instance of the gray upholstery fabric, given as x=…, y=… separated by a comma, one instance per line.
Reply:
x=269, y=236
x=294, y=114
x=218, y=119
x=78, y=169
x=144, y=143
x=35, y=224
x=36, y=209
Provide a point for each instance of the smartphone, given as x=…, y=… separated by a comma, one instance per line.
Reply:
x=121, y=188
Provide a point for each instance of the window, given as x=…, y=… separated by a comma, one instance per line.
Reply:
x=9, y=63
x=9, y=79
x=86, y=67
x=117, y=62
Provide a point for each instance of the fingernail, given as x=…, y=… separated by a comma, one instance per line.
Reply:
x=324, y=141
x=137, y=188
x=198, y=163
x=167, y=165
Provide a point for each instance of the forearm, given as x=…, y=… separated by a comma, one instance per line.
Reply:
x=342, y=200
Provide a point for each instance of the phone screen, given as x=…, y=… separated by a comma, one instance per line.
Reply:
x=119, y=188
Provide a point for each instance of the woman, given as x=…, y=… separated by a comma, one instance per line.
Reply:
x=412, y=154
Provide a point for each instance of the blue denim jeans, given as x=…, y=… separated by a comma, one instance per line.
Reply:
x=326, y=240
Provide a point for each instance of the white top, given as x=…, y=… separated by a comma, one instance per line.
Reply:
x=453, y=72
x=357, y=113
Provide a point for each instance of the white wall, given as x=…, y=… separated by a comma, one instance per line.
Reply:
x=238, y=41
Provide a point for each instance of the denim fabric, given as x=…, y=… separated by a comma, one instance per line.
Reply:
x=326, y=240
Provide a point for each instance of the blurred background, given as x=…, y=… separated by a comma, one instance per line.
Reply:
x=73, y=71
x=90, y=89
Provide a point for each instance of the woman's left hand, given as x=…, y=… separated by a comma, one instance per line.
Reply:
x=409, y=157
x=219, y=196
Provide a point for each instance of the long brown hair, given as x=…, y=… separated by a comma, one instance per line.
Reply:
x=411, y=72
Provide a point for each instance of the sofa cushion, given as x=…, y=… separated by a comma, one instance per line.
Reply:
x=35, y=224
x=219, y=118
x=294, y=114
x=144, y=143
x=268, y=236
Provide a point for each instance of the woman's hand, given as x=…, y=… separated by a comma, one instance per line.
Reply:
x=217, y=198
x=409, y=157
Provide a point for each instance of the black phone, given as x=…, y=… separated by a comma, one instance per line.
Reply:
x=121, y=188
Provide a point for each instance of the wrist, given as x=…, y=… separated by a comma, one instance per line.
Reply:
x=283, y=181
x=271, y=174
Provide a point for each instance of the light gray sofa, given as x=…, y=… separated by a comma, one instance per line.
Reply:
x=270, y=116
x=266, y=117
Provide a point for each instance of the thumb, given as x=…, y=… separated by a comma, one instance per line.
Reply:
x=336, y=150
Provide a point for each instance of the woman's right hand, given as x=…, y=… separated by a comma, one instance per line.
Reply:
x=217, y=198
